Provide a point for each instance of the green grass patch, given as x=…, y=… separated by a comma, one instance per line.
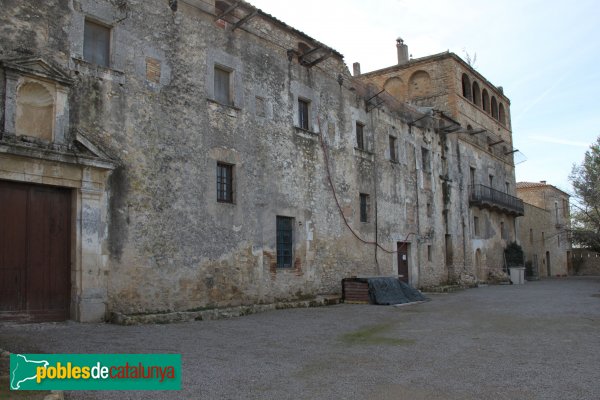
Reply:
x=374, y=334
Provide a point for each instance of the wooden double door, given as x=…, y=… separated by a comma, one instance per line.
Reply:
x=35, y=252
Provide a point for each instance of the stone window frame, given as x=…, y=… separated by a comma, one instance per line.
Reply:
x=109, y=27
x=227, y=74
x=299, y=91
x=21, y=71
x=216, y=58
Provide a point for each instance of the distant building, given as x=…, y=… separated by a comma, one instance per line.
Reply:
x=544, y=231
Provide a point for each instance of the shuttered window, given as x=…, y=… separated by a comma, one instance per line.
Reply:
x=223, y=86
x=96, y=43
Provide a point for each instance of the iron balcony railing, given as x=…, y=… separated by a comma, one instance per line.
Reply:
x=487, y=197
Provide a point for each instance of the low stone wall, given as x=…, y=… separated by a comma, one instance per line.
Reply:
x=217, y=313
x=585, y=262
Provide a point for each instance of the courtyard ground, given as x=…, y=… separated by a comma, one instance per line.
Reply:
x=540, y=340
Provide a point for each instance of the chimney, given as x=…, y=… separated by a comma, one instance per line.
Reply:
x=402, y=51
x=356, y=69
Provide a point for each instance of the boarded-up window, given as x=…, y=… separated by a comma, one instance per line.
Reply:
x=223, y=85
x=35, y=111
x=285, y=241
x=96, y=43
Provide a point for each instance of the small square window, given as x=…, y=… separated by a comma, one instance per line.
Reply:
x=224, y=182
x=303, y=114
x=360, y=136
x=393, y=152
x=223, y=86
x=364, y=207
x=96, y=43
x=285, y=241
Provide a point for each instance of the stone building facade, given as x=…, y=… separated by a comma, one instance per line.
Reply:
x=476, y=155
x=192, y=154
x=544, y=231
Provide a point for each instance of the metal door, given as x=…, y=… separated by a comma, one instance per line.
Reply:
x=403, y=248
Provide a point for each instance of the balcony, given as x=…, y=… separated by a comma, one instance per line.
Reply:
x=486, y=197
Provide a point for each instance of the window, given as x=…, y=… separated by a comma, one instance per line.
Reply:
x=224, y=182
x=364, y=207
x=223, y=85
x=531, y=236
x=393, y=152
x=476, y=226
x=502, y=230
x=491, y=180
x=425, y=159
x=476, y=94
x=285, y=241
x=501, y=114
x=485, y=101
x=494, y=107
x=96, y=43
x=507, y=186
x=428, y=252
x=466, y=86
x=303, y=107
x=472, y=177
x=360, y=136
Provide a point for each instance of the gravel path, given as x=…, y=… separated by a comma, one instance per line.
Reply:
x=536, y=341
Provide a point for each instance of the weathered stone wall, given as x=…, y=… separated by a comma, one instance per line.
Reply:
x=543, y=232
x=168, y=243
x=585, y=262
x=544, y=245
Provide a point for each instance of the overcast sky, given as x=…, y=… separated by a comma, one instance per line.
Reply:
x=546, y=55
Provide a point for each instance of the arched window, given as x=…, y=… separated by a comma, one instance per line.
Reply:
x=466, y=86
x=494, y=108
x=485, y=101
x=476, y=94
x=502, y=114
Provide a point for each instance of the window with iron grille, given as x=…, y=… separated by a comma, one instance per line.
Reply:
x=225, y=183
x=303, y=117
x=223, y=85
x=364, y=207
x=360, y=136
x=285, y=241
x=96, y=43
x=393, y=152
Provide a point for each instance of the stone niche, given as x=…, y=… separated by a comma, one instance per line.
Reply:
x=36, y=100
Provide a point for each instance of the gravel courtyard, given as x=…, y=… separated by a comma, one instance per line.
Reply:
x=536, y=341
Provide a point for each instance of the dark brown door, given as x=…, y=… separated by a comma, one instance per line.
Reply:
x=35, y=255
x=403, y=248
